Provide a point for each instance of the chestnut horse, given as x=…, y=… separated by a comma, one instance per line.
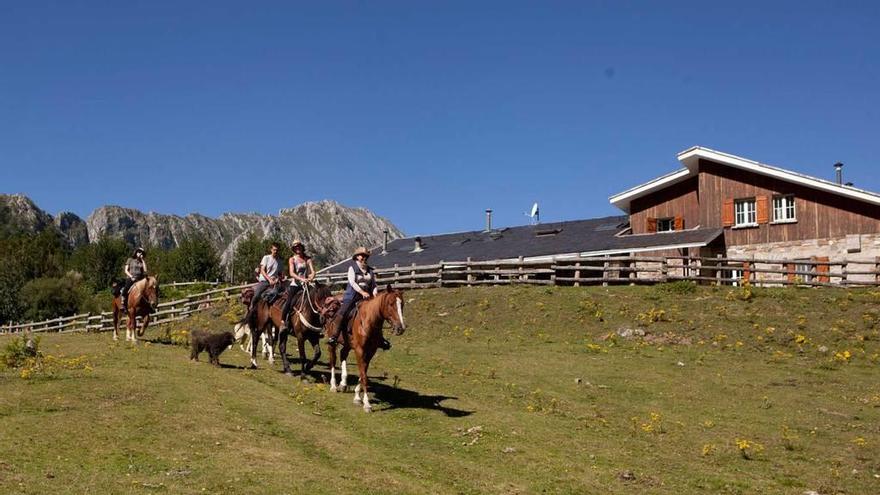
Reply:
x=306, y=323
x=263, y=318
x=143, y=298
x=365, y=337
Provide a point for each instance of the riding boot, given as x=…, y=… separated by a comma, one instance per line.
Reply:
x=385, y=345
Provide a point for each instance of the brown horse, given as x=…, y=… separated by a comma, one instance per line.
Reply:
x=365, y=337
x=143, y=298
x=263, y=318
x=306, y=323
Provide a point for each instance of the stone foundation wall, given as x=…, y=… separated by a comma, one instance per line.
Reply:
x=859, y=247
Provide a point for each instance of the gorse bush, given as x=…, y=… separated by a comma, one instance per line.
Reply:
x=19, y=350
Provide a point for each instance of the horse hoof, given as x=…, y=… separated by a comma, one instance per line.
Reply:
x=368, y=409
x=356, y=400
x=333, y=389
x=288, y=373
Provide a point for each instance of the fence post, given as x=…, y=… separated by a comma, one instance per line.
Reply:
x=664, y=270
x=718, y=273
x=470, y=278
x=412, y=275
x=497, y=276
x=844, y=265
x=577, y=274
x=631, y=264
x=605, y=267
x=553, y=275
x=440, y=275
x=521, y=277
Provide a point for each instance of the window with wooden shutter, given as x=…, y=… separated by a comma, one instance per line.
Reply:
x=763, y=213
x=651, y=225
x=823, y=271
x=727, y=213
x=679, y=223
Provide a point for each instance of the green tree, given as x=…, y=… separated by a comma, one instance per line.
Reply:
x=49, y=297
x=193, y=259
x=101, y=262
x=248, y=253
x=11, y=281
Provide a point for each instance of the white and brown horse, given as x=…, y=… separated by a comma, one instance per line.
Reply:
x=143, y=298
x=365, y=337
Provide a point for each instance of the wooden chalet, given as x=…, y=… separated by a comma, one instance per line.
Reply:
x=709, y=220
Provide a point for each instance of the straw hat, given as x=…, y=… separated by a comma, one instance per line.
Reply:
x=296, y=243
x=361, y=250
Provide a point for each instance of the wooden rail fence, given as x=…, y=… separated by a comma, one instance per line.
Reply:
x=571, y=271
x=167, y=312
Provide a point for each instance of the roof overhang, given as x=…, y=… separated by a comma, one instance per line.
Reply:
x=623, y=200
x=691, y=157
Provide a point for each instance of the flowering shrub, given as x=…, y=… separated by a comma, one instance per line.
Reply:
x=747, y=448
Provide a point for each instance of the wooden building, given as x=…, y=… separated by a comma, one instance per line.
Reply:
x=763, y=211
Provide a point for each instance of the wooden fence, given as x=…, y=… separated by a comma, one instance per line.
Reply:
x=572, y=271
x=617, y=270
x=167, y=312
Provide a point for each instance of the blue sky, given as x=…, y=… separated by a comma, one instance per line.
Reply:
x=424, y=112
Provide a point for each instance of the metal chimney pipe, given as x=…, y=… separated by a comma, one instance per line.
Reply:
x=385, y=242
x=838, y=167
x=488, y=219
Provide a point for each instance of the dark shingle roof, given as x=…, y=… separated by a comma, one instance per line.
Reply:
x=546, y=239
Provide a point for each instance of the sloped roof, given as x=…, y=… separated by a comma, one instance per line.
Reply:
x=690, y=158
x=595, y=236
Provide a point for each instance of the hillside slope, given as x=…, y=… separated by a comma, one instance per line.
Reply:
x=490, y=390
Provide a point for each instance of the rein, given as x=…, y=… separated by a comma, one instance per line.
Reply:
x=302, y=304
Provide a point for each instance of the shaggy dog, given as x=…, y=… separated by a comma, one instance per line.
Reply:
x=214, y=343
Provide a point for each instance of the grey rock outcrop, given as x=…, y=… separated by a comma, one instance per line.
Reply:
x=330, y=230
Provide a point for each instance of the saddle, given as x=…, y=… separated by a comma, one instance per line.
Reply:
x=271, y=294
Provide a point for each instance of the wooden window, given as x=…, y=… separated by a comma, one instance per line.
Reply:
x=761, y=211
x=679, y=223
x=665, y=224
x=783, y=209
x=745, y=214
x=651, y=225
x=804, y=266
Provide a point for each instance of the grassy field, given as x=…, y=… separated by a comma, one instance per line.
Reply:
x=490, y=390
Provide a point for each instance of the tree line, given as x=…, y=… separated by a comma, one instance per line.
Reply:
x=42, y=277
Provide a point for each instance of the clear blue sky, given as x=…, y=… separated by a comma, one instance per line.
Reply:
x=425, y=112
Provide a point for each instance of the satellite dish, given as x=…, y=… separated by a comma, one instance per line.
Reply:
x=534, y=212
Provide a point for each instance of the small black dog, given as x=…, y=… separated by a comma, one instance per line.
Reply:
x=214, y=343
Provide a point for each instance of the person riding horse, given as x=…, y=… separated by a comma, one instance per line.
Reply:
x=135, y=269
x=301, y=273
x=361, y=285
x=270, y=273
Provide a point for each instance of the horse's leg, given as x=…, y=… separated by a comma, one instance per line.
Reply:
x=129, y=327
x=115, y=321
x=315, y=341
x=270, y=344
x=343, y=367
x=361, y=394
x=255, y=337
x=282, y=349
x=331, y=362
x=301, y=345
x=143, y=327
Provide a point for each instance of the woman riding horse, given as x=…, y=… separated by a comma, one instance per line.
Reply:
x=366, y=337
x=361, y=285
x=135, y=269
x=301, y=273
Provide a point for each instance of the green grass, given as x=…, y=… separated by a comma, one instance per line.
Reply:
x=490, y=390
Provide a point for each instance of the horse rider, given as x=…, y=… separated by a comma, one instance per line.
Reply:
x=361, y=285
x=270, y=273
x=135, y=269
x=301, y=273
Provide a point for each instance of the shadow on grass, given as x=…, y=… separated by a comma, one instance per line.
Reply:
x=401, y=398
